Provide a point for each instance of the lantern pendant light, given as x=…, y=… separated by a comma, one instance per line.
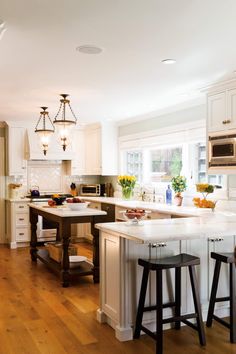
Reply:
x=44, y=128
x=63, y=123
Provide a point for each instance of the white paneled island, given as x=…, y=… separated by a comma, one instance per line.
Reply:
x=121, y=244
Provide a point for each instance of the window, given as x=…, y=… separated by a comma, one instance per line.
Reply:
x=166, y=163
x=134, y=164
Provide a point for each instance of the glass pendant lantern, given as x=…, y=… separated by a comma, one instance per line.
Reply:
x=64, y=120
x=44, y=128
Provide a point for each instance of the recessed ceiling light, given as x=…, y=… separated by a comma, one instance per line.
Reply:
x=168, y=61
x=89, y=49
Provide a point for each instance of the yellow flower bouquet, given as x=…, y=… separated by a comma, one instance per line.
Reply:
x=127, y=184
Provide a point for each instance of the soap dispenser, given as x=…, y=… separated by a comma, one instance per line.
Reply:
x=168, y=195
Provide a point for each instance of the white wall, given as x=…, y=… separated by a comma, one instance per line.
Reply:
x=178, y=117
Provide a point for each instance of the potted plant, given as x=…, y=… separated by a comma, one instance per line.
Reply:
x=127, y=184
x=179, y=185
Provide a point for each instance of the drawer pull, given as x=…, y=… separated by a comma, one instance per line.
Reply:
x=21, y=219
x=21, y=207
x=21, y=233
x=148, y=217
x=159, y=244
x=215, y=239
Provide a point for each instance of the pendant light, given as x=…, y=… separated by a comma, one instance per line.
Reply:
x=44, y=128
x=64, y=120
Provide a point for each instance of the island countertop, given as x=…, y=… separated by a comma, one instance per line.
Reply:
x=211, y=224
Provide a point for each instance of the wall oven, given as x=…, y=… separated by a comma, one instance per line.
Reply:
x=222, y=150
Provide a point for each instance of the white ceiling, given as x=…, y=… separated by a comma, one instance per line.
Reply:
x=38, y=57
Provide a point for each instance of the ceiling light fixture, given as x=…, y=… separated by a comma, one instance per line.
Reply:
x=44, y=128
x=168, y=61
x=62, y=122
x=89, y=49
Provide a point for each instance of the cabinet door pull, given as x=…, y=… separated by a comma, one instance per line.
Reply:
x=228, y=121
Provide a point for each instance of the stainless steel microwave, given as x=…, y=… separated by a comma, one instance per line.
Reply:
x=222, y=150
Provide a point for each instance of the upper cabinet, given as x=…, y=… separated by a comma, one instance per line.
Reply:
x=16, y=163
x=101, y=149
x=221, y=109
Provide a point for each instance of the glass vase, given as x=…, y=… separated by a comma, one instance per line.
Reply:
x=127, y=193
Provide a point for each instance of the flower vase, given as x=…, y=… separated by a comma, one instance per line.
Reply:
x=178, y=199
x=127, y=193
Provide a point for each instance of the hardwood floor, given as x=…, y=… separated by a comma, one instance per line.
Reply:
x=37, y=316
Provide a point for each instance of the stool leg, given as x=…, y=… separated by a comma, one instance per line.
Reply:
x=141, y=303
x=232, y=304
x=213, y=294
x=197, y=305
x=159, y=313
x=177, y=295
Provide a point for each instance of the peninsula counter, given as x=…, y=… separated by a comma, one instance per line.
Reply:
x=121, y=245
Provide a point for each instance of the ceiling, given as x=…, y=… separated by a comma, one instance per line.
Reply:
x=38, y=57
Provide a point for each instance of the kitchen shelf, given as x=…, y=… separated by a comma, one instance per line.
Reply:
x=76, y=268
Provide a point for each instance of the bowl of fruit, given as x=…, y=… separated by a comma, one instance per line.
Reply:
x=58, y=199
x=76, y=203
x=134, y=216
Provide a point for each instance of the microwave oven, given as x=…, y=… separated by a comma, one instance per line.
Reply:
x=92, y=190
x=222, y=150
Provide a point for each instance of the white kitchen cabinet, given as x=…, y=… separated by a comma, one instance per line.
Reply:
x=221, y=110
x=101, y=149
x=76, y=166
x=18, y=227
x=16, y=163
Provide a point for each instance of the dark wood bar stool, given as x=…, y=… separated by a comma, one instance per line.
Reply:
x=228, y=258
x=158, y=265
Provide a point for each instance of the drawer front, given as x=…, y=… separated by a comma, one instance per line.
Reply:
x=156, y=215
x=21, y=207
x=95, y=205
x=22, y=234
x=22, y=219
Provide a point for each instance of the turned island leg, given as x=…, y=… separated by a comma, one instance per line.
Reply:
x=95, y=233
x=64, y=231
x=33, y=240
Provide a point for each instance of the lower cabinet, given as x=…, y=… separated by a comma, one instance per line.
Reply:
x=18, y=227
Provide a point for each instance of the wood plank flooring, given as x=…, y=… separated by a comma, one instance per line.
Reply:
x=38, y=316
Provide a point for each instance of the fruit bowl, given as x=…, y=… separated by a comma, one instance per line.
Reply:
x=76, y=204
x=58, y=200
x=134, y=216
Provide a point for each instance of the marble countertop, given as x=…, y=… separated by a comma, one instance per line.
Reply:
x=64, y=211
x=211, y=224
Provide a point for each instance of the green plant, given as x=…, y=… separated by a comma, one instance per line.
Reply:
x=179, y=184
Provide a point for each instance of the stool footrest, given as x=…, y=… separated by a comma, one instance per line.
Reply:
x=154, y=307
x=224, y=323
x=219, y=299
x=190, y=324
x=147, y=331
x=179, y=318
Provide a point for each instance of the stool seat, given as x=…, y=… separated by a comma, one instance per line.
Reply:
x=159, y=265
x=224, y=257
x=180, y=260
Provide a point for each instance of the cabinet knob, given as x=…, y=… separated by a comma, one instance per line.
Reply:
x=148, y=217
x=228, y=121
x=224, y=122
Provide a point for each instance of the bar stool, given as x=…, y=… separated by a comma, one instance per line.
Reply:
x=158, y=265
x=227, y=258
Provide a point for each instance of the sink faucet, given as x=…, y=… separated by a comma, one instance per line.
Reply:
x=154, y=196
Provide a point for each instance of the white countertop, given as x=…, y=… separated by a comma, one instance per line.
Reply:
x=64, y=211
x=163, y=230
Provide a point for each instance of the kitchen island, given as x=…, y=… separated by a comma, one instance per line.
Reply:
x=121, y=244
x=64, y=217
